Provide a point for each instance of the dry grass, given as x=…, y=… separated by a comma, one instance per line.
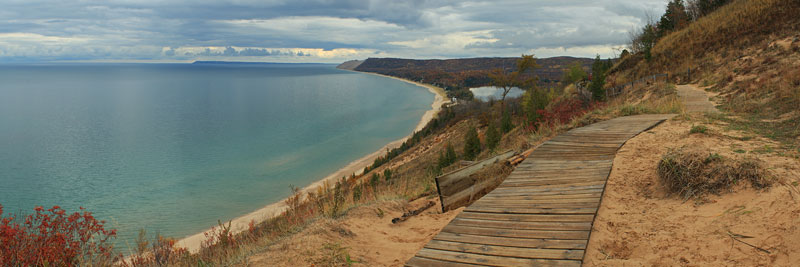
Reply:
x=747, y=52
x=692, y=172
x=733, y=26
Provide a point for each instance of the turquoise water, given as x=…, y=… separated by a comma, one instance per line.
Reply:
x=176, y=147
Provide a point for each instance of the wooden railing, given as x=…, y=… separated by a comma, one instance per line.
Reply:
x=617, y=90
x=457, y=188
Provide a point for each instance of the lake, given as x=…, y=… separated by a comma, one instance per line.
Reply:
x=175, y=147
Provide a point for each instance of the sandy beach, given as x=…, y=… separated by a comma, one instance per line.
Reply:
x=193, y=242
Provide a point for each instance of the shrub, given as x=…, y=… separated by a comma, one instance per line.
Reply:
x=533, y=102
x=472, y=144
x=51, y=237
x=694, y=172
x=562, y=110
x=698, y=129
x=162, y=251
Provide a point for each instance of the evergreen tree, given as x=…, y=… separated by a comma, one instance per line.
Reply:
x=374, y=180
x=450, y=154
x=505, y=123
x=446, y=157
x=492, y=137
x=387, y=174
x=598, y=80
x=442, y=161
x=472, y=144
x=674, y=18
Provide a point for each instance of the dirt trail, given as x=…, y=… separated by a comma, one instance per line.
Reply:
x=639, y=223
x=695, y=99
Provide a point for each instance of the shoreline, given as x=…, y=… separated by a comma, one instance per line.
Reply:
x=193, y=242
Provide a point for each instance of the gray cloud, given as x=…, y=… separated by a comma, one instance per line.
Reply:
x=312, y=30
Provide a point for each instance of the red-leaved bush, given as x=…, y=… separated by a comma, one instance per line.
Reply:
x=53, y=237
x=562, y=110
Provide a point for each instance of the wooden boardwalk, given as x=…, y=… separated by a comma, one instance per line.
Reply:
x=543, y=212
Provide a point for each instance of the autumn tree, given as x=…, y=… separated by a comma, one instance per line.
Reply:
x=574, y=73
x=518, y=78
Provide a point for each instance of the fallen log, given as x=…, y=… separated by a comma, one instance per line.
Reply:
x=409, y=214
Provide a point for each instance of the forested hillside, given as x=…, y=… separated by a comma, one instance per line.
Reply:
x=457, y=75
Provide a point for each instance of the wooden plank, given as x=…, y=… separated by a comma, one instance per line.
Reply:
x=551, y=177
x=524, y=225
x=587, y=193
x=425, y=262
x=560, y=185
x=552, y=181
x=457, y=188
x=545, y=199
x=533, y=210
x=516, y=206
x=528, y=217
x=576, y=166
x=518, y=201
x=556, y=171
x=546, y=234
x=453, y=176
x=506, y=251
x=487, y=260
x=533, y=190
x=512, y=241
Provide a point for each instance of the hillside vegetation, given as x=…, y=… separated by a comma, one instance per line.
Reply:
x=747, y=51
x=458, y=75
x=715, y=188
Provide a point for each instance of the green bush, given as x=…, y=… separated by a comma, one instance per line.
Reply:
x=698, y=129
x=533, y=101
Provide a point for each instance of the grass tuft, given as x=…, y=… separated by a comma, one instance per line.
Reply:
x=693, y=172
x=698, y=129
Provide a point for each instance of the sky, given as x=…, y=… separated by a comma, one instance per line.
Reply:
x=323, y=31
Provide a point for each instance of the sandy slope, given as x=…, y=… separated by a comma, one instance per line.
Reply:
x=193, y=242
x=638, y=224
x=370, y=240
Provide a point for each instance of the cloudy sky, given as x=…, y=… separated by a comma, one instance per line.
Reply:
x=312, y=30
